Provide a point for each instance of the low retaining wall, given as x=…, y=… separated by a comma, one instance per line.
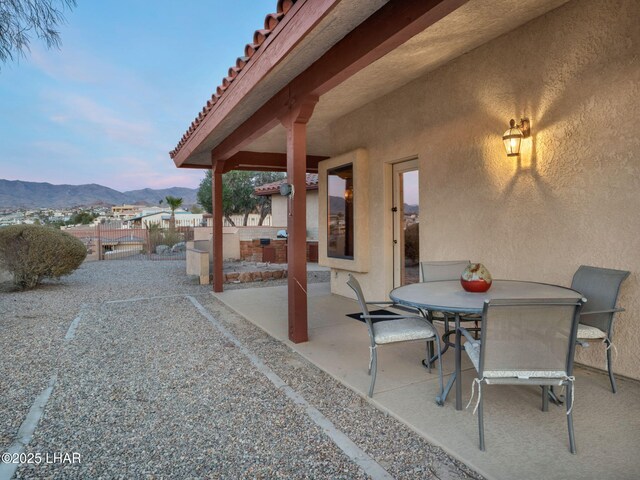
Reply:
x=257, y=276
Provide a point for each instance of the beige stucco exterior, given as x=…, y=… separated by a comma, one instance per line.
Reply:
x=572, y=197
x=279, y=209
x=230, y=240
x=360, y=262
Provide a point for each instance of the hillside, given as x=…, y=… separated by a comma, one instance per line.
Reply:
x=152, y=197
x=16, y=193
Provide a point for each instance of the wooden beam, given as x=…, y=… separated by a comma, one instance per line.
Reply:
x=216, y=199
x=295, y=121
x=267, y=161
x=388, y=28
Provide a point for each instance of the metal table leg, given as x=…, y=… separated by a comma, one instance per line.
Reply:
x=455, y=376
x=458, y=373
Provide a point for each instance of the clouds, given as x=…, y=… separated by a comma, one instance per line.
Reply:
x=109, y=105
x=88, y=116
x=100, y=125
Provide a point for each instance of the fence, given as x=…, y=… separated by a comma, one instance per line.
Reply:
x=114, y=242
x=252, y=221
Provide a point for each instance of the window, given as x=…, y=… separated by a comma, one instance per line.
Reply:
x=340, y=212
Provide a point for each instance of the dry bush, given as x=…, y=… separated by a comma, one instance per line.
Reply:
x=32, y=253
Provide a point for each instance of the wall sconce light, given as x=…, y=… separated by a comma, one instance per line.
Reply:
x=514, y=136
x=348, y=194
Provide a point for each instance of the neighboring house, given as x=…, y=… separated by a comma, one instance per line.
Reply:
x=280, y=208
x=366, y=92
x=125, y=212
x=163, y=217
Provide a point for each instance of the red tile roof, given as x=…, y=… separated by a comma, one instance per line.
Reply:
x=271, y=21
x=274, y=187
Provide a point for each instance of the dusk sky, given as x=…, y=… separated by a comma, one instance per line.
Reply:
x=115, y=99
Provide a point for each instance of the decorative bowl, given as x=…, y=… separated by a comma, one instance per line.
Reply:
x=476, y=278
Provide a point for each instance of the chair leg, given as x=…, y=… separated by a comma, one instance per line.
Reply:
x=481, y=423
x=374, y=371
x=569, y=402
x=439, y=399
x=429, y=354
x=370, y=359
x=612, y=379
x=545, y=398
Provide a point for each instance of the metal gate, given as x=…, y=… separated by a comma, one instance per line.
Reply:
x=117, y=241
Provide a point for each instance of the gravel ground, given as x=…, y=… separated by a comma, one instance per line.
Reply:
x=150, y=389
x=33, y=323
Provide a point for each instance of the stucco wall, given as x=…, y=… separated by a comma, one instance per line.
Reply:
x=230, y=240
x=279, y=209
x=312, y=214
x=574, y=195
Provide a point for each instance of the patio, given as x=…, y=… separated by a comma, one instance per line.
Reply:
x=522, y=441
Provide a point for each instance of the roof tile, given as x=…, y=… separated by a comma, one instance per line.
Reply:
x=274, y=187
x=271, y=21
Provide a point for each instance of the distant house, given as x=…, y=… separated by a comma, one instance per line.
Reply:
x=279, y=206
x=125, y=212
x=162, y=218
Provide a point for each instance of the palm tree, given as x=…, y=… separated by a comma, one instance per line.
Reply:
x=174, y=203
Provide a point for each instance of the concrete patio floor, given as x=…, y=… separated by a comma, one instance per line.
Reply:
x=522, y=441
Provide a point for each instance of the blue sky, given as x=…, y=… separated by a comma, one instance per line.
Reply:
x=115, y=99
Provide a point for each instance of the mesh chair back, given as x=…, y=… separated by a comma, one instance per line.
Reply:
x=440, y=271
x=600, y=286
x=355, y=286
x=528, y=338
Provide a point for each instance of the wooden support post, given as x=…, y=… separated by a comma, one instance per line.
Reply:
x=295, y=121
x=216, y=198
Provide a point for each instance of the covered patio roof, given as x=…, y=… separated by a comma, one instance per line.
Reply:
x=346, y=53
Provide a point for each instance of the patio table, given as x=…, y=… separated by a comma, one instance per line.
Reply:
x=449, y=296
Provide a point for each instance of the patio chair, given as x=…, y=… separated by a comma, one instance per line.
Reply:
x=435, y=271
x=525, y=342
x=600, y=286
x=389, y=327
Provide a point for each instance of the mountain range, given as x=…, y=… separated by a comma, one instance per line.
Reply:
x=19, y=194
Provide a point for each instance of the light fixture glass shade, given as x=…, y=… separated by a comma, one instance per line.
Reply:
x=512, y=139
x=348, y=194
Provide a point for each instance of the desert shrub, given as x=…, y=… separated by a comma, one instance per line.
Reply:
x=412, y=242
x=32, y=253
x=163, y=236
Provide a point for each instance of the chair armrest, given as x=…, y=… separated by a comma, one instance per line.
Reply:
x=596, y=312
x=398, y=317
x=395, y=305
x=467, y=335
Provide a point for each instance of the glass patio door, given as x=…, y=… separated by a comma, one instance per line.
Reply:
x=406, y=238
